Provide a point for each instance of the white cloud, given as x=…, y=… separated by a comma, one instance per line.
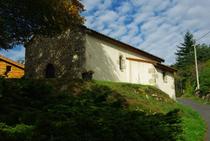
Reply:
x=17, y=53
x=107, y=16
x=124, y=8
x=142, y=17
x=156, y=26
x=91, y=4
x=121, y=30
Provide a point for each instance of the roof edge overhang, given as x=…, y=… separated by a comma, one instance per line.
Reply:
x=21, y=66
x=121, y=44
x=156, y=64
x=164, y=67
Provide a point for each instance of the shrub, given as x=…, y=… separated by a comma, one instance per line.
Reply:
x=36, y=88
x=2, y=86
x=17, y=133
x=99, y=113
x=25, y=87
x=189, y=89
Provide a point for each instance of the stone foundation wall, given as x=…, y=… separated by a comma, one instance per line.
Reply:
x=65, y=52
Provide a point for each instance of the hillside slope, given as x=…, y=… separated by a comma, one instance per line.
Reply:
x=59, y=110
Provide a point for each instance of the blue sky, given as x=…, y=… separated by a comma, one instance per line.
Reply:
x=156, y=26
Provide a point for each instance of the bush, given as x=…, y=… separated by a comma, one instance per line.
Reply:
x=98, y=114
x=25, y=87
x=17, y=133
x=189, y=89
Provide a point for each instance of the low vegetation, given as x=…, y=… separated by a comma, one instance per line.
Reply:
x=193, y=126
x=197, y=99
x=92, y=111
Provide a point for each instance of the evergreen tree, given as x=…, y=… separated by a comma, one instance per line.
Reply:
x=185, y=51
x=185, y=63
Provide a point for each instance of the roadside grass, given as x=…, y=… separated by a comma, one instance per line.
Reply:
x=69, y=110
x=193, y=125
x=199, y=100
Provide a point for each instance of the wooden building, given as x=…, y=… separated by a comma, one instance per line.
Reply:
x=10, y=68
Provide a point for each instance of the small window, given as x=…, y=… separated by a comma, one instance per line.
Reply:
x=165, y=77
x=50, y=71
x=8, y=69
x=121, y=62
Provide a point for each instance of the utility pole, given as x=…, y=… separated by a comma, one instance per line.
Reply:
x=196, y=68
x=196, y=61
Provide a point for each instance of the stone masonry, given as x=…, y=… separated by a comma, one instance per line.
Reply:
x=65, y=52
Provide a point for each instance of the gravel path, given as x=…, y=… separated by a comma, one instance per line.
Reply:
x=204, y=111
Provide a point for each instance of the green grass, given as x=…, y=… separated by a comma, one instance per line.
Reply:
x=193, y=125
x=145, y=98
x=151, y=100
x=199, y=100
x=31, y=108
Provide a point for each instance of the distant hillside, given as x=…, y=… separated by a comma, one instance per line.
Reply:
x=60, y=110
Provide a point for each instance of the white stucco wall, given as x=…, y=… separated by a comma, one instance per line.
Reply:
x=167, y=86
x=103, y=58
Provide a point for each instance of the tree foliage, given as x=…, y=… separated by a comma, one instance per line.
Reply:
x=185, y=51
x=204, y=76
x=203, y=53
x=185, y=63
x=21, y=19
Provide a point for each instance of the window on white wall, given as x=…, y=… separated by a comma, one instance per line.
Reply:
x=165, y=77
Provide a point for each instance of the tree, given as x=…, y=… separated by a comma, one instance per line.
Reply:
x=185, y=78
x=204, y=76
x=184, y=64
x=20, y=20
x=203, y=53
x=185, y=51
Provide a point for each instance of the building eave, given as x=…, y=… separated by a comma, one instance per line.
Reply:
x=156, y=64
x=121, y=44
x=166, y=68
x=21, y=66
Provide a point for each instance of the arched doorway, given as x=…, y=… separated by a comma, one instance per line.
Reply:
x=50, y=71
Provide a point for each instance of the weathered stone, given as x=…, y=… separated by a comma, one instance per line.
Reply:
x=65, y=52
x=198, y=93
x=208, y=97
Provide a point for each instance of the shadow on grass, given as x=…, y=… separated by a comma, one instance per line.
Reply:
x=31, y=112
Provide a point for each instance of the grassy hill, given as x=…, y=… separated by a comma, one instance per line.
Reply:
x=60, y=110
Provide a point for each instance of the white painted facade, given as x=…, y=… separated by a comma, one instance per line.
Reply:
x=104, y=58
